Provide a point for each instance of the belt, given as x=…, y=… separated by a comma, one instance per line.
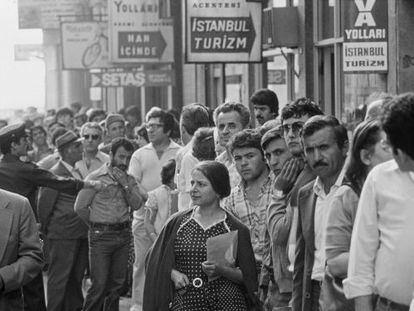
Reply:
x=392, y=305
x=110, y=227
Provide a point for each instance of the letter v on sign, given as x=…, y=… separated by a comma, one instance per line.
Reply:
x=365, y=15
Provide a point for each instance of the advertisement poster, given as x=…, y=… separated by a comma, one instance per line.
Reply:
x=223, y=31
x=130, y=77
x=139, y=33
x=365, y=47
x=85, y=45
x=45, y=13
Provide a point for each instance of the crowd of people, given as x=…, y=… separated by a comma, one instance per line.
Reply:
x=201, y=211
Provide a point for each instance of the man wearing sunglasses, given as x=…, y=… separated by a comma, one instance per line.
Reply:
x=282, y=213
x=92, y=158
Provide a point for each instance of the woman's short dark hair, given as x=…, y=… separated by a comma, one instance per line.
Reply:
x=248, y=138
x=121, y=142
x=168, y=172
x=365, y=136
x=203, y=144
x=218, y=175
x=319, y=122
x=142, y=131
x=398, y=123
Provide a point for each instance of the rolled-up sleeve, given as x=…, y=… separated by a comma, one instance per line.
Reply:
x=340, y=222
x=364, y=245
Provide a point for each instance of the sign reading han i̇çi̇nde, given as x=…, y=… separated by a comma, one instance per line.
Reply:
x=138, y=33
x=365, y=47
x=223, y=31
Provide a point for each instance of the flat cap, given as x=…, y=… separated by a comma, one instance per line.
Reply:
x=9, y=132
x=112, y=118
x=67, y=138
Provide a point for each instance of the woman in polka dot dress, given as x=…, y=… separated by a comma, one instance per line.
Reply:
x=178, y=272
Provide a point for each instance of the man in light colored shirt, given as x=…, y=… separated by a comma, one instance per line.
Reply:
x=192, y=118
x=106, y=212
x=145, y=167
x=230, y=118
x=325, y=143
x=382, y=252
x=248, y=201
x=92, y=158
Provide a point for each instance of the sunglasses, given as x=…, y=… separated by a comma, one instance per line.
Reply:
x=94, y=137
x=296, y=127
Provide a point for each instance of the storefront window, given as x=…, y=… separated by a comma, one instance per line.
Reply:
x=326, y=23
x=357, y=88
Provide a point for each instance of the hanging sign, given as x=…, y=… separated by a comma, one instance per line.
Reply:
x=223, y=31
x=139, y=32
x=365, y=47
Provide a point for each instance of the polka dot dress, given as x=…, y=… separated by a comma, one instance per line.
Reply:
x=190, y=252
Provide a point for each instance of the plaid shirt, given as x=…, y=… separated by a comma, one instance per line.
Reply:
x=253, y=216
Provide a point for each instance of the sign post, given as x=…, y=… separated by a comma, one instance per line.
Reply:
x=365, y=47
x=223, y=31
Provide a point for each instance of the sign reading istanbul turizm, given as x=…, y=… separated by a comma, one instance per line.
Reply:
x=365, y=47
x=223, y=31
x=139, y=33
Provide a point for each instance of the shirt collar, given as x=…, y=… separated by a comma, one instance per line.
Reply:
x=319, y=189
x=74, y=172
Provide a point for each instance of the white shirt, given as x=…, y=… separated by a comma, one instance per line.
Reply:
x=145, y=167
x=94, y=164
x=184, y=181
x=323, y=202
x=75, y=173
x=381, y=257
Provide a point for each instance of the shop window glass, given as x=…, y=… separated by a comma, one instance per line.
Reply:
x=357, y=88
x=326, y=22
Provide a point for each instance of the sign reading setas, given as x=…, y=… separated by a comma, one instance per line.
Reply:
x=223, y=31
x=120, y=77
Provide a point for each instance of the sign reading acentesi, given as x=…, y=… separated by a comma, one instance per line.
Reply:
x=223, y=31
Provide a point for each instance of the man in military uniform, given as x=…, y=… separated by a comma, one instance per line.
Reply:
x=24, y=178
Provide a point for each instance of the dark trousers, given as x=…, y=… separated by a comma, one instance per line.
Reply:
x=108, y=260
x=383, y=304
x=68, y=260
x=34, y=294
x=315, y=295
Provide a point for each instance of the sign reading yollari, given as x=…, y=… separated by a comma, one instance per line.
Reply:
x=138, y=33
x=119, y=77
x=365, y=47
x=223, y=31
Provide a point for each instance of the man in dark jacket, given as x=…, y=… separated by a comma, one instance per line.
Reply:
x=24, y=179
x=65, y=231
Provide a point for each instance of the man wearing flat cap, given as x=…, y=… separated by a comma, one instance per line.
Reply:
x=66, y=233
x=24, y=178
x=115, y=127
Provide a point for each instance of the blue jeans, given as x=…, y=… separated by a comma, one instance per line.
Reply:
x=108, y=259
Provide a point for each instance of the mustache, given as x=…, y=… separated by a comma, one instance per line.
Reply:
x=122, y=167
x=319, y=163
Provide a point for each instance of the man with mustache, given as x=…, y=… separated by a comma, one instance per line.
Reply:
x=107, y=213
x=265, y=105
x=325, y=144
